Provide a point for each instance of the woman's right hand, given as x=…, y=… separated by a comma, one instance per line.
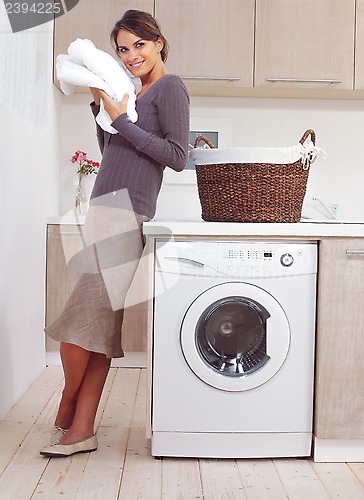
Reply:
x=95, y=95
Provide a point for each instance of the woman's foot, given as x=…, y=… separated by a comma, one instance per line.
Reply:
x=66, y=413
x=76, y=434
x=59, y=450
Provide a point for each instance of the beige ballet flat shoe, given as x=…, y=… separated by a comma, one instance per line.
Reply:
x=65, y=450
x=57, y=434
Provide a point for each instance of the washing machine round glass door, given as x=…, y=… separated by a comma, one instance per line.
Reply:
x=235, y=336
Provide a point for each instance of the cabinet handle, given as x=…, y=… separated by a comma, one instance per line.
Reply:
x=226, y=78
x=70, y=232
x=302, y=80
x=355, y=252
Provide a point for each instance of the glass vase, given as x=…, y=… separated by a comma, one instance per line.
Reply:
x=83, y=192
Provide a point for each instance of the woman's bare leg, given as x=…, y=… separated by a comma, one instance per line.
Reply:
x=74, y=361
x=88, y=398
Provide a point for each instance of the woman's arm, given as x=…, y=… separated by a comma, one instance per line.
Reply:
x=173, y=115
x=95, y=108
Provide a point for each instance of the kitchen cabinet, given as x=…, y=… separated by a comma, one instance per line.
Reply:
x=340, y=340
x=94, y=20
x=64, y=241
x=307, y=44
x=210, y=45
x=359, y=46
x=252, y=48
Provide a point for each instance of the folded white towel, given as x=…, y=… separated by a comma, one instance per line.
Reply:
x=87, y=66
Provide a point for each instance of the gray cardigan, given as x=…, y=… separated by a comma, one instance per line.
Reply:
x=135, y=157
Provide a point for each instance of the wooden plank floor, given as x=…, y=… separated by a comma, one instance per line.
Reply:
x=122, y=467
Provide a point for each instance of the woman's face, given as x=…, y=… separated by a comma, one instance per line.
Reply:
x=139, y=56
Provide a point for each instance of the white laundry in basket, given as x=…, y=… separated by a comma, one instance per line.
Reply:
x=212, y=156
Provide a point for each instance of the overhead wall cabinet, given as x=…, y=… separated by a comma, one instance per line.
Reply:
x=359, y=52
x=305, y=44
x=211, y=44
x=94, y=20
x=339, y=420
x=256, y=45
x=254, y=48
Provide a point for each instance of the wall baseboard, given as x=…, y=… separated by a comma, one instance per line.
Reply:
x=130, y=360
x=338, y=450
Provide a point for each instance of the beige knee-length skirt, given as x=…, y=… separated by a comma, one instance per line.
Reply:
x=112, y=247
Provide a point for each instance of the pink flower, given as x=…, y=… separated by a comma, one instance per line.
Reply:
x=86, y=166
x=81, y=156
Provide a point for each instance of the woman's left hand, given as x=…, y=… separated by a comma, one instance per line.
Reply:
x=114, y=108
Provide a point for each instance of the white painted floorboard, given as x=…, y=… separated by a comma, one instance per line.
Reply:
x=122, y=467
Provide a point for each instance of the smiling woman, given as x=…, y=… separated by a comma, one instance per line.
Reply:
x=124, y=196
x=144, y=27
x=141, y=46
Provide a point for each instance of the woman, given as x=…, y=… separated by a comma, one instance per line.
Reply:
x=124, y=196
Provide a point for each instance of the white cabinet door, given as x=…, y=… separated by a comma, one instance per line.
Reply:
x=306, y=44
x=340, y=340
x=64, y=241
x=211, y=42
x=95, y=20
x=359, y=46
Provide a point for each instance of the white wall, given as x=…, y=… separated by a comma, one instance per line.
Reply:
x=252, y=122
x=29, y=154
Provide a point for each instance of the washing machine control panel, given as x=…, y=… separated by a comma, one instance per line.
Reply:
x=236, y=258
x=260, y=260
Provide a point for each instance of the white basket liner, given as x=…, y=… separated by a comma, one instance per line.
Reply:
x=207, y=156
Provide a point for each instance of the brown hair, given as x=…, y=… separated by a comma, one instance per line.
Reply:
x=140, y=24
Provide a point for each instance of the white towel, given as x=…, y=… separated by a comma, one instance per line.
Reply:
x=87, y=66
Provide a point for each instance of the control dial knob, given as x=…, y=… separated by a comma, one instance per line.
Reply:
x=287, y=259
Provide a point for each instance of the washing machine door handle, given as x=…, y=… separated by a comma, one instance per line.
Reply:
x=185, y=261
x=187, y=266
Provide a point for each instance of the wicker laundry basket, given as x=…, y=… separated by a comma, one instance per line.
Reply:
x=263, y=191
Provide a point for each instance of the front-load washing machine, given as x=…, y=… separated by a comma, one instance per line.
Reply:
x=233, y=348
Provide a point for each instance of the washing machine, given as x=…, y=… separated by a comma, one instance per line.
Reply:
x=233, y=348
